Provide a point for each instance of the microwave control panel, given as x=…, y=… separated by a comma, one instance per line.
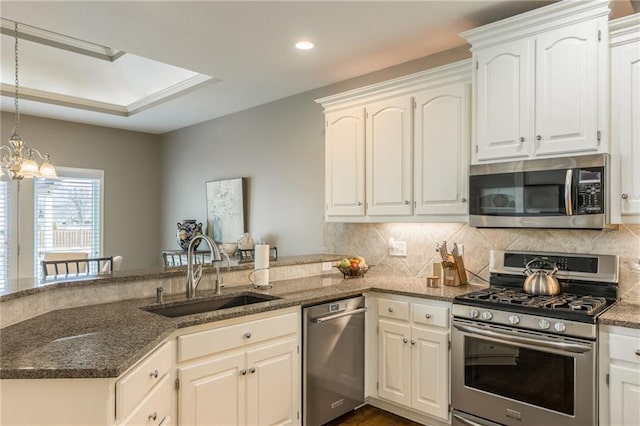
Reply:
x=589, y=194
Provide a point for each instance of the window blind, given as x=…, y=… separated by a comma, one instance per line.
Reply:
x=68, y=214
x=4, y=235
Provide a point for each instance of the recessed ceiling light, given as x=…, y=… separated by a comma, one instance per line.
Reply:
x=304, y=45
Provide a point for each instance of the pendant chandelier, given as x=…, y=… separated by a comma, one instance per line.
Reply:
x=17, y=161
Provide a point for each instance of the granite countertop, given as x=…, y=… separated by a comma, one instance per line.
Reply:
x=16, y=288
x=622, y=314
x=102, y=341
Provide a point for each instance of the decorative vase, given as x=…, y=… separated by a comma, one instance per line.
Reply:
x=187, y=231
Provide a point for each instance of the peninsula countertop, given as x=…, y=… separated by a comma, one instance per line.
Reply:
x=104, y=340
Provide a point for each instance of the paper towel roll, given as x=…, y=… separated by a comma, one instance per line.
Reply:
x=262, y=265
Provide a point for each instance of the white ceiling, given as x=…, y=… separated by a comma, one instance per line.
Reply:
x=249, y=46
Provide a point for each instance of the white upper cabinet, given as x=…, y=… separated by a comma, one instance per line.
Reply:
x=344, y=162
x=540, y=83
x=399, y=150
x=625, y=119
x=567, y=64
x=503, y=108
x=441, y=150
x=388, y=157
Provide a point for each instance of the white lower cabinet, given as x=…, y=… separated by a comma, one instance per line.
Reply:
x=619, y=376
x=413, y=354
x=143, y=395
x=251, y=376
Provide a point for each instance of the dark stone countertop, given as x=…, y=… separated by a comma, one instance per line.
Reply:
x=622, y=314
x=27, y=286
x=102, y=341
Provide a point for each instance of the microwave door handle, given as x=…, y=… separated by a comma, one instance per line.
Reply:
x=508, y=338
x=568, y=187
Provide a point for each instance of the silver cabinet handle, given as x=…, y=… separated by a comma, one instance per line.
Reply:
x=247, y=335
x=252, y=370
x=427, y=316
x=404, y=340
x=154, y=374
x=153, y=416
x=521, y=139
x=538, y=138
x=359, y=203
x=406, y=202
x=243, y=372
x=463, y=200
x=390, y=309
x=624, y=195
x=413, y=342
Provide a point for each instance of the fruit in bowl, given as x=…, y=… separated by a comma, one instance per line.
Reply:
x=353, y=267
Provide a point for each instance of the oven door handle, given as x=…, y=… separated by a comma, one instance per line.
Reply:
x=509, y=338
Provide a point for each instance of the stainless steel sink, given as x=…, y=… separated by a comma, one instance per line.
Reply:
x=189, y=307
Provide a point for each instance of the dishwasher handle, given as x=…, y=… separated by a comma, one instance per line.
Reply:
x=320, y=320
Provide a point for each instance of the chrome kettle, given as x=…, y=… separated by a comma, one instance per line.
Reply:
x=541, y=282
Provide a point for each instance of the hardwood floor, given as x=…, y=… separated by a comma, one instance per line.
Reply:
x=370, y=416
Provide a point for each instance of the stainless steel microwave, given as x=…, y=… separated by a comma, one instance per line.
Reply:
x=565, y=192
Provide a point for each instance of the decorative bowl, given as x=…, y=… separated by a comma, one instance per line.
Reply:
x=353, y=272
x=229, y=248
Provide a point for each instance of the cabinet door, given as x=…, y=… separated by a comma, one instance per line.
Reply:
x=567, y=69
x=394, y=362
x=273, y=382
x=503, y=108
x=441, y=155
x=625, y=125
x=430, y=372
x=388, y=157
x=213, y=392
x=624, y=395
x=344, y=162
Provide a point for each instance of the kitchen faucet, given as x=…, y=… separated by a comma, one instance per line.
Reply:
x=193, y=278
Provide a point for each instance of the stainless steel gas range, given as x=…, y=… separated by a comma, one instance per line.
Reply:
x=523, y=359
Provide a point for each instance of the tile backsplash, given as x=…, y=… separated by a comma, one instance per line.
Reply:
x=370, y=240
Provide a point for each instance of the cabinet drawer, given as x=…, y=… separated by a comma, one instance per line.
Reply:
x=154, y=410
x=624, y=348
x=131, y=388
x=393, y=309
x=431, y=315
x=208, y=342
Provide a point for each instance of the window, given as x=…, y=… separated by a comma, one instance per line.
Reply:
x=68, y=214
x=4, y=235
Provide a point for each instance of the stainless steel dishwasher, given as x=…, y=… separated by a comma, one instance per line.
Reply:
x=333, y=359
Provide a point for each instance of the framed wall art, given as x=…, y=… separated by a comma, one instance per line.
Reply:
x=226, y=209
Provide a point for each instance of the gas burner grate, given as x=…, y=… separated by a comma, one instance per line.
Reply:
x=588, y=305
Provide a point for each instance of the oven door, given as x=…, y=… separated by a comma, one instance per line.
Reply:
x=515, y=377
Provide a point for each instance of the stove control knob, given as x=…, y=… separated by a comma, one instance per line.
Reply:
x=474, y=313
x=514, y=319
x=487, y=315
x=543, y=324
x=560, y=326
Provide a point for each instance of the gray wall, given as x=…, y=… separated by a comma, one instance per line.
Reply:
x=132, y=172
x=280, y=147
